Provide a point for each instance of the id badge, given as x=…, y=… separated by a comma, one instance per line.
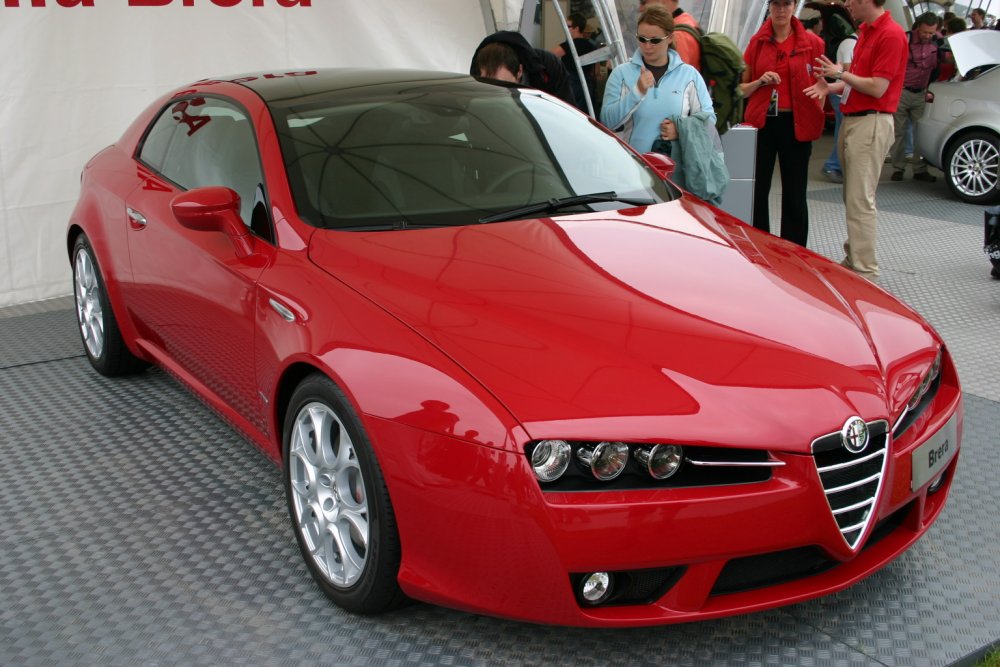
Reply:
x=772, y=108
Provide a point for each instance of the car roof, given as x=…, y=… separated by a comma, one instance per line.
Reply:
x=975, y=48
x=278, y=86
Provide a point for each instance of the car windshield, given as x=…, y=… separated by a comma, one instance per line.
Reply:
x=454, y=153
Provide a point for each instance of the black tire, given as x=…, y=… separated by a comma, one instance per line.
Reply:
x=102, y=339
x=972, y=168
x=338, y=501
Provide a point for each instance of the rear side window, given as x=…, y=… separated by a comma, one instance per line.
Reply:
x=157, y=141
x=205, y=141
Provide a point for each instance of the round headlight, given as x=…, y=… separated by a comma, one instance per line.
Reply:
x=935, y=368
x=549, y=459
x=596, y=587
x=606, y=460
x=925, y=382
x=660, y=461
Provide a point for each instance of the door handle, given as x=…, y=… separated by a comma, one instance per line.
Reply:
x=282, y=310
x=136, y=220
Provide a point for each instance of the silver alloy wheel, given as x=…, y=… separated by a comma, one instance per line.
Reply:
x=328, y=494
x=89, y=313
x=975, y=167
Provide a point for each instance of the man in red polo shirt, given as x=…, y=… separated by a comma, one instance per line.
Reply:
x=870, y=93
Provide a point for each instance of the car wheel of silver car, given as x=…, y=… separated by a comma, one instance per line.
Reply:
x=338, y=501
x=972, y=167
x=102, y=339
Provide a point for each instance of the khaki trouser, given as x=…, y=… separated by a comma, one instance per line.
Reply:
x=863, y=143
x=911, y=107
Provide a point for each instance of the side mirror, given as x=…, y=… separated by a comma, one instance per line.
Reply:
x=661, y=164
x=214, y=209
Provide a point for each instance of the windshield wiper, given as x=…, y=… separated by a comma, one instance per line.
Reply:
x=557, y=203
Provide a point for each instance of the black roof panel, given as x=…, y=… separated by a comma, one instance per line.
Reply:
x=277, y=86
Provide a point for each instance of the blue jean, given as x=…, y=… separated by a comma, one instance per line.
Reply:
x=833, y=162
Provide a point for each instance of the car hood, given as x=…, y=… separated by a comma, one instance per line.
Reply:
x=648, y=323
x=975, y=48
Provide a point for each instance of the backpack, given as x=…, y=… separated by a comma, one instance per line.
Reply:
x=722, y=68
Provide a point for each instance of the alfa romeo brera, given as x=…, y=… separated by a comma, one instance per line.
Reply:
x=504, y=364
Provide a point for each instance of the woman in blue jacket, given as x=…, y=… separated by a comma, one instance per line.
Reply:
x=642, y=95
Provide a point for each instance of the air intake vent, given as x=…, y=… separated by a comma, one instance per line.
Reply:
x=852, y=481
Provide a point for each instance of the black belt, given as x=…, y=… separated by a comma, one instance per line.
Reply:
x=914, y=90
x=866, y=112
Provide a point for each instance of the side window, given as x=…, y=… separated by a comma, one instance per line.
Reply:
x=207, y=141
x=154, y=148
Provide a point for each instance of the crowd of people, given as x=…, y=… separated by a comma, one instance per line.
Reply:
x=873, y=74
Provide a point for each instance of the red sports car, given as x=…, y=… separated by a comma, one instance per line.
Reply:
x=504, y=364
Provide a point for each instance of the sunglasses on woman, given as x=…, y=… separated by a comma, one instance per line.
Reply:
x=651, y=40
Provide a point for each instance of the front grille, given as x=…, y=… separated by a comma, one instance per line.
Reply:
x=752, y=572
x=852, y=482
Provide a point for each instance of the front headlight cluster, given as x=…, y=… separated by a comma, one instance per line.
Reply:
x=605, y=460
x=925, y=383
x=592, y=465
x=922, y=396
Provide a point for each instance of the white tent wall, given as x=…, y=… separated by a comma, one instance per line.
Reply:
x=507, y=13
x=73, y=77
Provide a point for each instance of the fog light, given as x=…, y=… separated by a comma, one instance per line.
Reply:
x=550, y=459
x=660, y=461
x=596, y=587
x=606, y=460
x=936, y=484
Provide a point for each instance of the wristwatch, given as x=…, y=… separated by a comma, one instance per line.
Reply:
x=838, y=75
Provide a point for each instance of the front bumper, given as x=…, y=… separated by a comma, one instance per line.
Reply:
x=478, y=534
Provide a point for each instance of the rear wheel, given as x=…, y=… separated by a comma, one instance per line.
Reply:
x=972, y=167
x=102, y=339
x=338, y=501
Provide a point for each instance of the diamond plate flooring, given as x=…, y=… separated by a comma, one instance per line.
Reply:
x=930, y=250
x=137, y=528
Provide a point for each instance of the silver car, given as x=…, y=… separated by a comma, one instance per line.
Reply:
x=959, y=132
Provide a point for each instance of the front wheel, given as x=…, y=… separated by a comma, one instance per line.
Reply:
x=102, y=339
x=338, y=501
x=972, y=167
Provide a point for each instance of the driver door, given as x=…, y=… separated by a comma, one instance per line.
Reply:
x=193, y=296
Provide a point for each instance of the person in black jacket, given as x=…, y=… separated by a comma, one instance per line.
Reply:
x=507, y=56
x=577, y=23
